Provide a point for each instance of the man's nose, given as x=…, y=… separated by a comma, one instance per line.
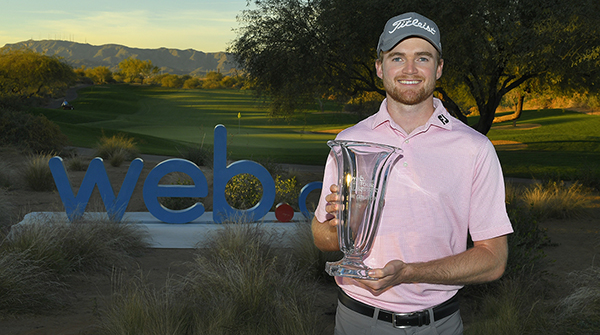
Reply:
x=410, y=68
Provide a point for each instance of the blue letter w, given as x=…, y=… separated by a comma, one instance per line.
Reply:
x=95, y=175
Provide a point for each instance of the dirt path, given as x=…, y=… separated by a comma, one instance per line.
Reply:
x=69, y=96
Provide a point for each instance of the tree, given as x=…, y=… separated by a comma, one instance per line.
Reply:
x=134, y=70
x=99, y=74
x=26, y=74
x=296, y=51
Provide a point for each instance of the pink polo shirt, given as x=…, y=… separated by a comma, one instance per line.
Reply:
x=448, y=184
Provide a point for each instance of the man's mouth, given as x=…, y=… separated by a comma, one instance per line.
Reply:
x=409, y=82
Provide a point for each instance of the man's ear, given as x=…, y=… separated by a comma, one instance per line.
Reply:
x=439, y=71
x=379, y=68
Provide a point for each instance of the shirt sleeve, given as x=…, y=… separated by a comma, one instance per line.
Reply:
x=488, y=217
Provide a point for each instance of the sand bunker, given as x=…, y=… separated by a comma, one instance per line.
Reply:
x=502, y=145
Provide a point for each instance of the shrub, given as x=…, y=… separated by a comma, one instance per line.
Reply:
x=6, y=175
x=236, y=285
x=37, y=174
x=65, y=247
x=287, y=191
x=557, y=200
x=117, y=157
x=580, y=311
x=179, y=203
x=35, y=133
x=27, y=285
x=76, y=164
x=6, y=209
x=255, y=293
x=172, y=81
x=309, y=259
x=198, y=155
x=117, y=144
x=140, y=308
x=243, y=191
x=192, y=83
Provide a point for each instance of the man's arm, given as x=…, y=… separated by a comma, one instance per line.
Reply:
x=325, y=233
x=484, y=262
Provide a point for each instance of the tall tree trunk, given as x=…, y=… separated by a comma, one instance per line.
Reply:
x=514, y=116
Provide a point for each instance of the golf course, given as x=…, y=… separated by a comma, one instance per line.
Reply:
x=542, y=143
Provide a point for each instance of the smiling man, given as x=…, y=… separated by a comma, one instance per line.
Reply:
x=448, y=185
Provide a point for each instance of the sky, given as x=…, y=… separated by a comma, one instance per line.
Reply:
x=203, y=25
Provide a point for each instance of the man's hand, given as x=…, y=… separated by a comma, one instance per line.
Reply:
x=387, y=277
x=325, y=233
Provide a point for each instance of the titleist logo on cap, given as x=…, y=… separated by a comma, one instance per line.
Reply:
x=409, y=22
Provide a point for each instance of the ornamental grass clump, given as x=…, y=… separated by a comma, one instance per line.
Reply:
x=37, y=174
x=557, y=200
x=27, y=285
x=583, y=304
x=237, y=284
x=117, y=145
x=66, y=247
x=242, y=286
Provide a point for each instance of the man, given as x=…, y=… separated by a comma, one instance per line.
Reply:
x=448, y=184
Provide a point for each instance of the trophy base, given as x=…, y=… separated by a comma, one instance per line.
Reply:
x=348, y=268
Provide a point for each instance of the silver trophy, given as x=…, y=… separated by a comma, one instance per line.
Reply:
x=363, y=171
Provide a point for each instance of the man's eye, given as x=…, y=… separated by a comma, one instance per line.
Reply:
x=396, y=59
x=424, y=59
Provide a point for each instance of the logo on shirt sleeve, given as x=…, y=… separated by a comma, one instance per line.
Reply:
x=443, y=119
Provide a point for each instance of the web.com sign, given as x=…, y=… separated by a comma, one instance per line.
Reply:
x=75, y=205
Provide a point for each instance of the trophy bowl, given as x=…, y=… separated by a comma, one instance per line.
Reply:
x=363, y=171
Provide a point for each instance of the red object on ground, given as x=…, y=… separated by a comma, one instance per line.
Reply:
x=284, y=212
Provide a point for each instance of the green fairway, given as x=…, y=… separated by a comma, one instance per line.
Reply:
x=559, y=143
x=163, y=121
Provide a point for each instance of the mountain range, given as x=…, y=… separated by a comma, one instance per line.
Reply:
x=174, y=61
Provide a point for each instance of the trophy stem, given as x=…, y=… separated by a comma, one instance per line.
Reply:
x=350, y=266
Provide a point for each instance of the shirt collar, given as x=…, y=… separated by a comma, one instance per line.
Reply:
x=440, y=117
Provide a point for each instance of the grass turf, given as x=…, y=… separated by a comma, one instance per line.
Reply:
x=165, y=120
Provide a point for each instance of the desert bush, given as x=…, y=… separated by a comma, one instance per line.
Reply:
x=307, y=256
x=237, y=284
x=178, y=203
x=37, y=174
x=172, y=80
x=6, y=209
x=117, y=157
x=557, y=200
x=510, y=309
x=243, y=191
x=137, y=307
x=27, y=285
x=117, y=144
x=254, y=291
x=66, y=247
x=31, y=132
x=6, y=175
x=579, y=312
x=192, y=83
x=287, y=191
x=76, y=163
x=198, y=155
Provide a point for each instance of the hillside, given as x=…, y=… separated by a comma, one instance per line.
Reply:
x=110, y=55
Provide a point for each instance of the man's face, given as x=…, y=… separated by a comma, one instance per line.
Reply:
x=409, y=71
